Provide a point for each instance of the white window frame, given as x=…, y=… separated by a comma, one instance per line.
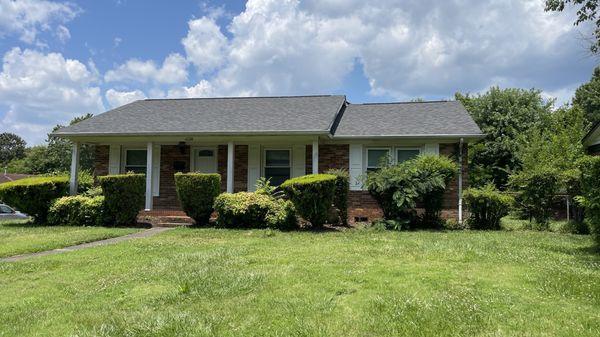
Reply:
x=387, y=148
x=264, y=159
x=405, y=148
x=124, y=158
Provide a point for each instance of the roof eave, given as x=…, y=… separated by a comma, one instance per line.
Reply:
x=190, y=133
x=417, y=136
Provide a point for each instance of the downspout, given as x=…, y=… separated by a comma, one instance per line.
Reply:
x=460, y=181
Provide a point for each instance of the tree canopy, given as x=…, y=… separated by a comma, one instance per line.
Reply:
x=587, y=12
x=503, y=115
x=11, y=147
x=587, y=98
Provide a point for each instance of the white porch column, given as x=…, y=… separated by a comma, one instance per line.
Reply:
x=149, y=160
x=315, y=156
x=230, y=156
x=74, y=169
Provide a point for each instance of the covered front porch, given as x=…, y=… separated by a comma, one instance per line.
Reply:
x=240, y=160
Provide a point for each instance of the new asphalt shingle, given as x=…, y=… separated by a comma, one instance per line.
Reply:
x=407, y=119
x=310, y=114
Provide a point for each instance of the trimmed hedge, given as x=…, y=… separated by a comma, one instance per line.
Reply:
x=312, y=196
x=197, y=193
x=590, y=198
x=34, y=196
x=487, y=206
x=342, y=189
x=77, y=211
x=124, y=196
x=254, y=210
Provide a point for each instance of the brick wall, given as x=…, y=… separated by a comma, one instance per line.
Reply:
x=330, y=156
x=101, y=154
x=169, y=154
x=240, y=168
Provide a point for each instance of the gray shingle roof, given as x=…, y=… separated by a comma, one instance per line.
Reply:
x=303, y=114
x=418, y=119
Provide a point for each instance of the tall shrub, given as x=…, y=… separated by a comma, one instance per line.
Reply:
x=535, y=193
x=486, y=206
x=435, y=173
x=312, y=196
x=342, y=189
x=124, y=197
x=590, y=198
x=197, y=193
x=34, y=195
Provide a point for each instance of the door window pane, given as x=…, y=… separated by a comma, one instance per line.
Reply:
x=205, y=153
x=406, y=154
x=277, y=166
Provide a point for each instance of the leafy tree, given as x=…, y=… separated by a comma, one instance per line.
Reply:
x=587, y=97
x=588, y=11
x=503, y=115
x=11, y=147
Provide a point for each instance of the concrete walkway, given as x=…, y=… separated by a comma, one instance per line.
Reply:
x=143, y=234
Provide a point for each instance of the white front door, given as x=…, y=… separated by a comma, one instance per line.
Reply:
x=205, y=159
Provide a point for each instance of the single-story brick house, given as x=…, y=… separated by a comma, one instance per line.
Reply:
x=245, y=138
x=591, y=141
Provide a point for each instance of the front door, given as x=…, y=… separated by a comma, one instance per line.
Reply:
x=205, y=160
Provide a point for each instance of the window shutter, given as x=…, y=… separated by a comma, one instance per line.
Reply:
x=432, y=148
x=356, y=166
x=253, y=166
x=114, y=159
x=156, y=170
x=298, y=160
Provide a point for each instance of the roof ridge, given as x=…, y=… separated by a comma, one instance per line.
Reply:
x=406, y=102
x=236, y=97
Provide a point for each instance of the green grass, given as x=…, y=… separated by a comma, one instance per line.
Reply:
x=217, y=282
x=19, y=237
x=513, y=223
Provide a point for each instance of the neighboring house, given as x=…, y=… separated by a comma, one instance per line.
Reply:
x=243, y=139
x=8, y=177
x=591, y=141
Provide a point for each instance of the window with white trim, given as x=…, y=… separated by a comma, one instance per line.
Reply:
x=135, y=160
x=277, y=165
x=376, y=157
x=405, y=153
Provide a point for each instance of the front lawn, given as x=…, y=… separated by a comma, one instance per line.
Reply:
x=19, y=237
x=217, y=282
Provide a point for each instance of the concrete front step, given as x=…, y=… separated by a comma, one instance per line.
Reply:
x=172, y=224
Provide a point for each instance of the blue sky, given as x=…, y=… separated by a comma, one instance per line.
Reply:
x=63, y=59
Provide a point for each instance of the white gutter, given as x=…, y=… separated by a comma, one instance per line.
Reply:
x=460, y=181
x=475, y=135
x=190, y=133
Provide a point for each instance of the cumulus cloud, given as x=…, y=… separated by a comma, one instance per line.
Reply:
x=173, y=70
x=41, y=90
x=26, y=18
x=117, y=98
x=409, y=49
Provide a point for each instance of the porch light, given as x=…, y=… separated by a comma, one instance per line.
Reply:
x=181, y=147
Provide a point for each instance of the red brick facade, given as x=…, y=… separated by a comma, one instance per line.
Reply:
x=362, y=206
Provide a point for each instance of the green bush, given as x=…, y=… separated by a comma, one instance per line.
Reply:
x=197, y=193
x=34, y=196
x=312, y=196
x=342, y=189
x=124, y=197
x=77, y=211
x=590, y=198
x=535, y=193
x=399, y=188
x=254, y=210
x=487, y=206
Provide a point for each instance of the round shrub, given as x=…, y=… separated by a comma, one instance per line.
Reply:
x=487, y=206
x=34, y=196
x=254, y=210
x=312, y=196
x=123, y=197
x=197, y=193
x=77, y=211
x=342, y=189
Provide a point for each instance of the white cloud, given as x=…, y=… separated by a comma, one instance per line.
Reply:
x=27, y=18
x=117, y=98
x=201, y=89
x=422, y=48
x=42, y=90
x=205, y=44
x=173, y=70
x=63, y=33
